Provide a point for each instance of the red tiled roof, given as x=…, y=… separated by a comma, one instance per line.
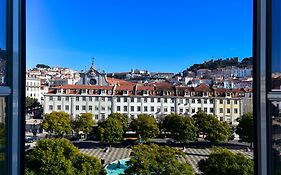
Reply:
x=113, y=81
x=83, y=87
x=202, y=88
x=125, y=87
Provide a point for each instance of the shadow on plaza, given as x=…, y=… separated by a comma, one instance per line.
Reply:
x=198, y=144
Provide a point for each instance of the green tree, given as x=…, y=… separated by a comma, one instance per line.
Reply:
x=110, y=130
x=60, y=157
x=57, y=123
x=84, y=123
x=122, y=118
x=43, y=66
x=145, y=126
x=182, y=128
x=31, y=103
x=201, y=122
x=245, y=128
x=224, y=162
x=160, y=160
x=210, y=126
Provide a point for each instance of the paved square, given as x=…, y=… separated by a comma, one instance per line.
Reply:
x=193, y=155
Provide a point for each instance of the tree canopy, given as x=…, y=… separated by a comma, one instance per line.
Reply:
x=210, y=126
x=160, y=160
x=245, y=128
x=145, y=126
x=60, y=157
x=57, y=123
x=31, y=103
x=84, y=123
x=122, y=118
x=223, y=162
x=110, y=130
x=221, y=63
x=43, y=66
x=182, y=128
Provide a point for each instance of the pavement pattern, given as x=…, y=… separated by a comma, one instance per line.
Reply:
x=193, y=155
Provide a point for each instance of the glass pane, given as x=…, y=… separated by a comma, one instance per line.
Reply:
x=2, y=133
x=276, y=45
x=276, y=136
x=3, y=53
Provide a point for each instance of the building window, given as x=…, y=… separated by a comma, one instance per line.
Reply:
x=138, y=100
x=211, y=101
x=221, y=101
x=235, y=110
x=96, y=98
x=199, y=109
x=152, y=108
x=172, y=100
x=77, y=107
x=58, y=107
x=125, y=99
x=118, y=108
x=211, y=110
x=221, y=110
x=145, y=109
x=77, y=98
x=50, y=107
x=228, y=101
x=132, y=99
x=125, y=108
x=199, y=101
x=228, y=110
x=139, y=108
x=102, y=99
x=193, y=101
x=59, y=98
x=66, y=107
x=66, y=98
x=152, y=100
x=145, y=100
x=51, y=98
x=96, y=108
x=90, y=99
x=158, y=100
x=165, y=100
x=132, y=108
x=205, y=110
x=83, y=98
x=205, y=101
x=97, y=117
x=193, y=110
x=165, y=109
x=103, y=108
x=181, y=110
x=84, y=108
x=236, y=102
x=90, y=108
x=172, y=109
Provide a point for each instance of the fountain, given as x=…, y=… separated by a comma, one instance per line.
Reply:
x=117, y=167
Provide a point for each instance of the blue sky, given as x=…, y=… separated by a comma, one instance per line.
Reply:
x=158, y=35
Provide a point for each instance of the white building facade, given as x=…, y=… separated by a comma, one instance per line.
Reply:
x=133, y=100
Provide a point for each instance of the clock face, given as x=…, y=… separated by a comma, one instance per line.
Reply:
x=93, y=81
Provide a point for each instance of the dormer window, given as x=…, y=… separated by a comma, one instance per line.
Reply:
x=145, y=92
x=84, y=91
x=125, y=92
x=205, y=94
x=102, y=92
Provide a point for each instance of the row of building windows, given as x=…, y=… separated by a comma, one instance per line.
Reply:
x=199, y=101
x=32, y=84
x=145, y=109
x=32, y=89
x=77, y=108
